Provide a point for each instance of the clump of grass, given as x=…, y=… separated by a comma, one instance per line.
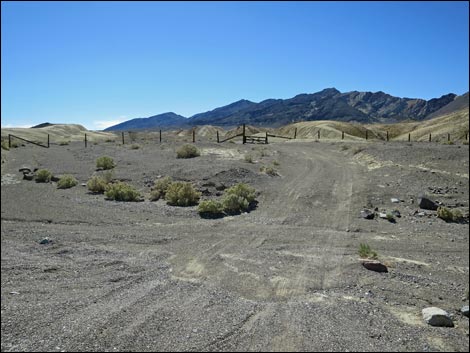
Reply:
x=210, y=209
x=448, y=143
x=182, y=194
x=248, y=158
x=269, y=171
x=390, y=217
x=5, y=145
x=276, y=163
x=43, y=176
x=97, y=184
x=67, y=181
x=187, y=151
x=465, y=143
x=109, y=140
x=122, y=192
x=105, y=162
x=64, y=143
x=135, y=146
x=366, y=252
x=449, y=215
x=160, y=188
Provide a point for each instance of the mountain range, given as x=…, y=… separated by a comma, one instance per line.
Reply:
x=328, y=104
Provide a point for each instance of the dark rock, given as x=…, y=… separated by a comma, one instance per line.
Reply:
x=367, y=214
x=374, y=265
x=220, y=187
x=427, y=204
x=45, y=241
x=464, y=310
x=28, y=176
x=55, y=178
x=25, y=169
x=437, y=317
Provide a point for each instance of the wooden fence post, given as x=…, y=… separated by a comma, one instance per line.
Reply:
x=429, y=137
x=160, y=136
x=318, y=134
x=217, y=136
x=85, y=140
x=342, y=135
x=295, y=133
x=244, y=136
x=409, y=137
x=122, y=134
x=9, y=141
x=266, y=137
x=47, y=140
x=387, y=135
x=448, y=137
x=366, y=134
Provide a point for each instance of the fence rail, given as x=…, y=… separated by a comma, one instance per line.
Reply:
x=29, y=141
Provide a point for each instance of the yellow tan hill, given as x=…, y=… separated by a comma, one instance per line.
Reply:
x=456, y=124
x=58, y=133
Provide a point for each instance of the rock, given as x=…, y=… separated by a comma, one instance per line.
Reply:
x=437, y=317
x=374, y=265
x=396, y=213
x=220, y=187
x=464, y=310
x=55, y=178
x=25, y=169
x=28, y=176
x=427, y=204
x=382, y=215
x=367, y=214
x=394, y=200
x=46, y=240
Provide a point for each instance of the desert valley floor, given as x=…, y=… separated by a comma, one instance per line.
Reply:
x=146, y=276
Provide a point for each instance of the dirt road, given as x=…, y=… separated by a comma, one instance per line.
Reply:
x=285, y=277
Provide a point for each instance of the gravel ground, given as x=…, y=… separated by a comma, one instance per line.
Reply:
x=145, y=276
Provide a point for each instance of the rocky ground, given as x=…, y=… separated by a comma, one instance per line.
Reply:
x=146, y=276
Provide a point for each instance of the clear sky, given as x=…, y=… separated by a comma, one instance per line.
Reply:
x=99, y=63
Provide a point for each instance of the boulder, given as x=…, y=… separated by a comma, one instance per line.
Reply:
x=427, y=204
x=44, y=241
x=464, y=310
x=394, y=200
x=374, y=265
x=367, y=214
x=25, y=169
x=28, y=176
x=437, y=317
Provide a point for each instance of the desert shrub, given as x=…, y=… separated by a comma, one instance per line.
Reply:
x=269, y=171
x=449, y=215
x=235, y=204
x=5, y=145
x=43, y=176
x=182, y=194
x=187, y=151
x=64, y=142
x=105, y=162
x=366, y=252
x=122, y=192
x=242, y=190
x=160, y=188
x=276, y=163
x=447, y=142
x=135, y=146
x=66, y=181
x=210, y=208
x=97, y=184
x=248, y=158
x=109, y=140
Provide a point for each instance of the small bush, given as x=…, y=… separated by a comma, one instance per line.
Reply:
x=276, y=163
x=64, y=142
x=269, y=171
x=248, y=158
x=449, y=215
x=234, y=204
x=109, y=140
x=97, y=184
x=160, y=188
x=43, y=176
x=210, y=209
x=465, y=143
x=366, y=252
x=187, y=151
x=135, y=147
x=242, y=190
x=66, y=181
x=105, y=163
x=5, y=145
x=122, y=192
x=182, y=194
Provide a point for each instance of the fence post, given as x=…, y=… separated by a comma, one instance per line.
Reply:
x=387, y=135
x=429, y=137
x=122, y=134
x=366, y=134
x=244, y=136
x=160, y=136
x=409, y=137
x=295, y=133
x=194, y=135
x=217, y=136
x=342, y=135
x=318, y=134
x=9, y=141
x=266, y=137
x=47, y=140
x=448, y=137
x=85, y=140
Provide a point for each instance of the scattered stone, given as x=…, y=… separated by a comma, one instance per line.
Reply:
x=46, y=240
x=374, y=265
x=394, y=200
x=382, y=215
x=83, y=184
x=25, y=169
x=427, y=204
x=28, y=176
x=367, y=214
x=55, y=179
x=464, y=310
x=396, y=213
x=220, y=187
x=16, y=293
x=437, y=317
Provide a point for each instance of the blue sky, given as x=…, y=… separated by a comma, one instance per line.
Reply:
x=99, y=63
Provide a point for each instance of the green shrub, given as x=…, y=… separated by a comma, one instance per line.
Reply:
x=97, y=184
x=43, y=176
x=66, y=181
x=234, y=204
x=242, y=190
x=366, y=252
x=276, y=163
x=64, y=142
x=160, y=188
x=108, y=176
x=105, y=163
x=187, y=151
x=5, y=145
x=269, y=171
x=210, y=209
x=122, y=192
x=449, y=215
x=109, y=140
x=182, y=194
